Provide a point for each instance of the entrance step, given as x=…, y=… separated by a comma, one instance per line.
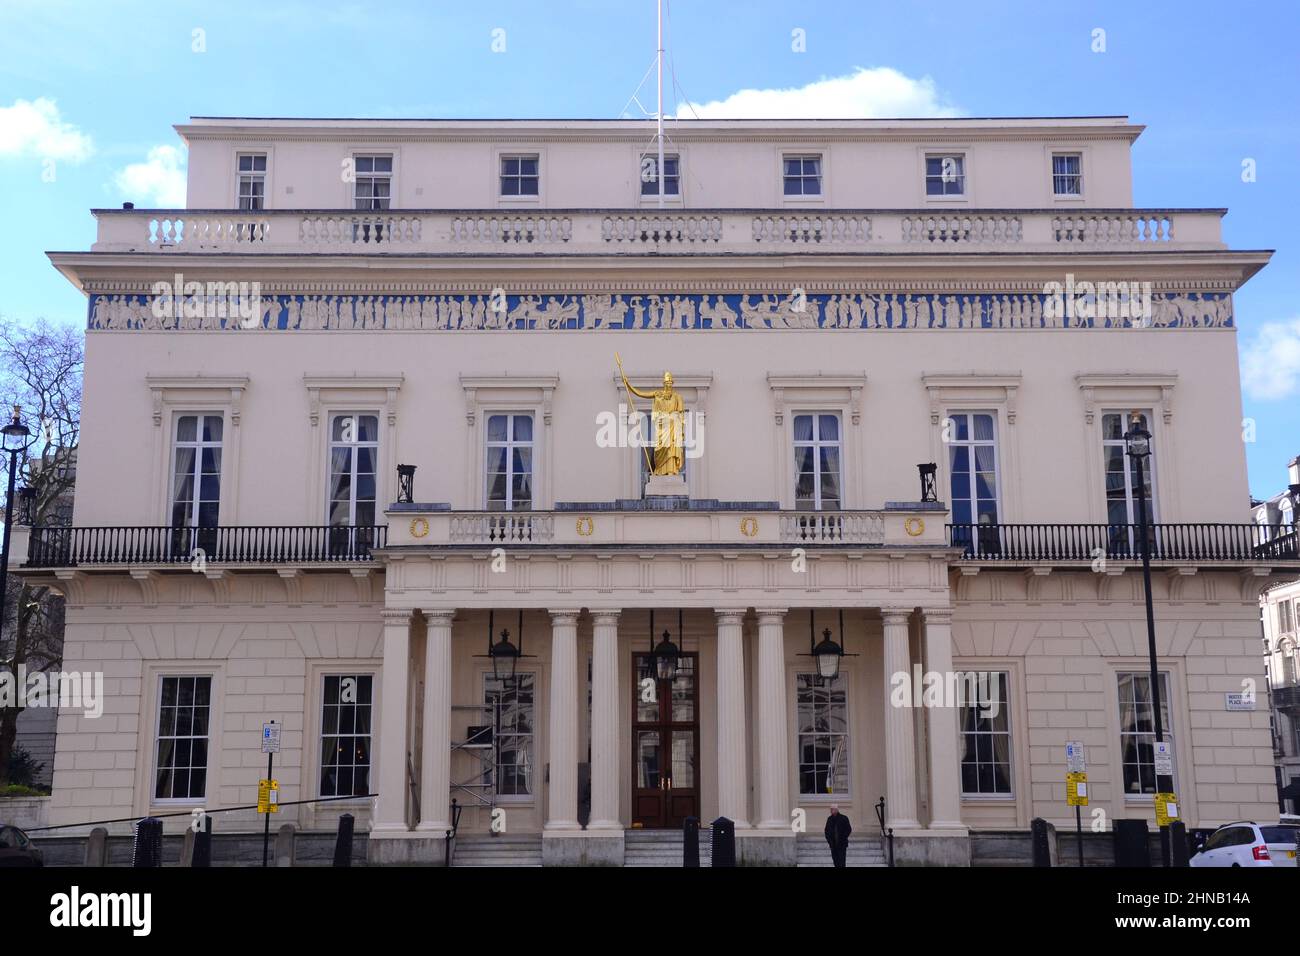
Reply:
x=863, y=851
x=658, y=848
x=505, y=849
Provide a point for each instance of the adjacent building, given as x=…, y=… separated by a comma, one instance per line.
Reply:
x=355, y=429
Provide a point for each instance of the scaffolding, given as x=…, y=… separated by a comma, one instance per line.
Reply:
x=480, y=745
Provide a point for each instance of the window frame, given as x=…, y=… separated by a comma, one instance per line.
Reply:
x=803, y=155
x=1010, y=734
x=970, y=443
x=357, y=175
x=845, y=684
x=199, y=445
x=1078, y=176
x=816, y=444
x=1149, y=468
x=157, y=736
x=537, y=778
x=262, y=176
x=331, y=444
x=321, y=678
x=1166, y=675
x=510, y=444
x=962, y=154
x=653, y=196
x=505, y=155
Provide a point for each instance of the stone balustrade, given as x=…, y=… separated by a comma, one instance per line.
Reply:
x=632, y=232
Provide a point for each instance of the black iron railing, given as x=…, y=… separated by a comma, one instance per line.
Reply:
x=70, y=547
x=1123, y=542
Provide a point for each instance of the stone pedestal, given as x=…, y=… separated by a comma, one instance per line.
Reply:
x=666, y=486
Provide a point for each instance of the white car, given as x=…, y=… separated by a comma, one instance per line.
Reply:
x=1250, y=844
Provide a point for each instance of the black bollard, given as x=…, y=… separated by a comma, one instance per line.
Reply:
x=724, y=842
x=343, y=845
x=146, y=849
x=1179, y=847
x=1042, y=833
x=203, y=843
x=691, y=842
x=1132, y=848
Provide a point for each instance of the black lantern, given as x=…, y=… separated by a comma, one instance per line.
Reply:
x=15, y=434
x=505, y=656
x=26, y=505
x=665, y=654
x=826, y=654
x=405, y=484
x=929, y=489
x=1137, y=438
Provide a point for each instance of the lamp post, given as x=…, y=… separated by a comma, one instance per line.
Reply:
x=15, y=435
x=1137, y=441
x=504, y=655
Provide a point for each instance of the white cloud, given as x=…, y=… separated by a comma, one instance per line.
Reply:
x=1270, y=362
x=35, y=128
x=158, y=182
x=863, y=94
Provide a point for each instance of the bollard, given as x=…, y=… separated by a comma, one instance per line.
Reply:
x=1044, y=840
x=97, y=847
x=724, y=842
x=691, y=842
x=203, y=844
x=285, y=851
x=1131, y=845
x=1178, y=843
x=146, y=848
x=187, y=847
x=343, y=845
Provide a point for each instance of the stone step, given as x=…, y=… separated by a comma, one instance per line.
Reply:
x=521, y=850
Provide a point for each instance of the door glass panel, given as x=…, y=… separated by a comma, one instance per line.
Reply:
x=683, y=760
x=647, y=759
x=646, y=690
x=684, y=691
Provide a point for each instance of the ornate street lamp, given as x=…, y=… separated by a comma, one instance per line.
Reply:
x=827, y=654
x=666, y=654
x=929, y=487
x=16, y=439
x=1137, y=441
x=405, y=484
x=504, y=655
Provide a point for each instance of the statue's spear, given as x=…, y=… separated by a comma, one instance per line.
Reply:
x=650, y=468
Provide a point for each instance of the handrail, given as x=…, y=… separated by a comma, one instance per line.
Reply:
x=57, y=547
x=1123, y=542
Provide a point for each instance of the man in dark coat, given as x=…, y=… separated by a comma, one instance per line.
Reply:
x=838, y=829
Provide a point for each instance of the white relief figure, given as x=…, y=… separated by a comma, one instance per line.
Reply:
x=684, y=313
x=851, y=311
x=98, y=314
x=559, y=311
x=522, y=315
x=995, y=312
x=271, y=310
x=455, y=313
x=1223, y=311
x=475, y=309
x=719, y=314
x=347, y=311
x=895, y=311
x=1182, y=317
x=911, y=311
x=831, y=312
x=951, y=314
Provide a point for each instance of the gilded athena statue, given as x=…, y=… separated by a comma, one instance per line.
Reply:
x=668, y=414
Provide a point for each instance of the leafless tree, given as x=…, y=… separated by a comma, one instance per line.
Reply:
x=40, y=372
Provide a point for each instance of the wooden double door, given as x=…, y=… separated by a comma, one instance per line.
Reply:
x=665, y=743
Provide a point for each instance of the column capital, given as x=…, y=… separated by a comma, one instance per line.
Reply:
x=395, y=615
x=605, y=617
x=730, y=615
x=441, y=617
x=936, y=615
x=565, y=617
x=771, y=615
x=896, y=615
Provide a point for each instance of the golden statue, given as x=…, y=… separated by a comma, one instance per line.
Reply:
x=668, y=415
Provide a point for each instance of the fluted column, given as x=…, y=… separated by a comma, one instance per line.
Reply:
x=435, y=772
x=732, y=790
x=390, y=805
x=945, y=789
x=772, y=744
x=562, y=808
x=604, y=722
x=900, y=752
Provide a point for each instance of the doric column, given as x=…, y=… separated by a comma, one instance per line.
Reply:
x=900, y=753
x=771, y=748
x=562, y=808
x=435, y=773
x=390, y=805
x=732, y=790
x=945, y=790
x=604, y=722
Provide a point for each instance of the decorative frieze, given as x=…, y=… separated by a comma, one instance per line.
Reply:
x=653, y=311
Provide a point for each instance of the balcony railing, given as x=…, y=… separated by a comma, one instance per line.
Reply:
x=1123, y=542
x=199, y=547
x=637, y=232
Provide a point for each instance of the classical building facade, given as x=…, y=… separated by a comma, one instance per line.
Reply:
x=1279, y=605
x=838, y=302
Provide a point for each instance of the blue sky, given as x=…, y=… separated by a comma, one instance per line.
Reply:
x=95, y=87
